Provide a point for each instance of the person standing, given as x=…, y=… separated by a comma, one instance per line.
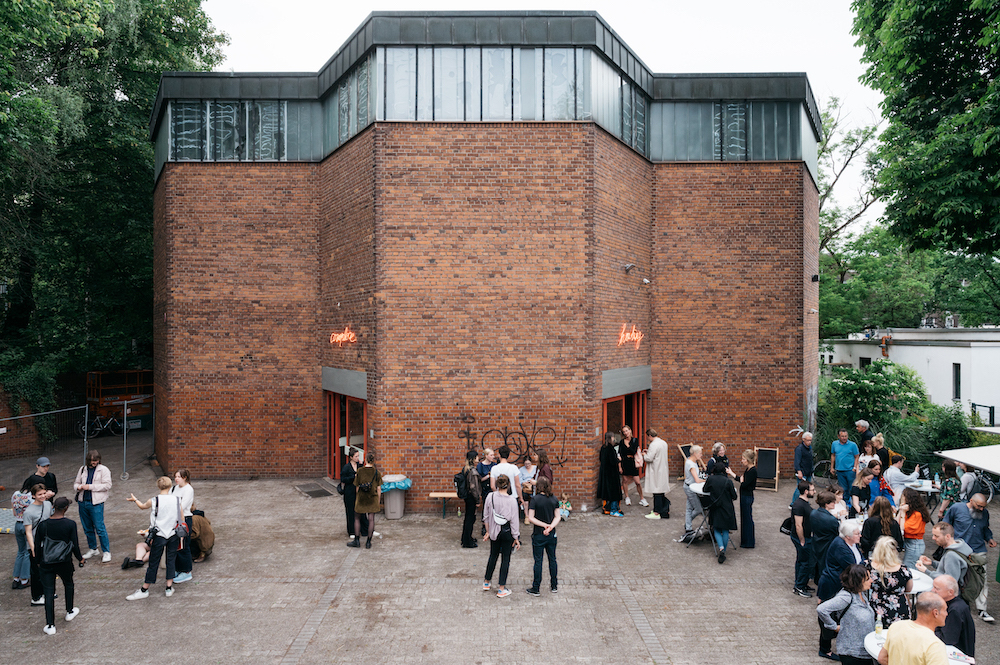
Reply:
x=719, y=457
x=347, y=473
x=628, y=449
x=803, y=462
x=748, y=483
x=163, y=518
x=896, y=478
x=503, y=530
x=58, y=533
x=844, y=459
x=913, y=518
x=543, y=513
x=971, y=522
x=881, y=522
x=185, y=493
x=864, y=432
x=841, y=555
x=721, y=513
x=825, y=527
x=505, y=468
x=801, y=537
x=20, y=500
x=541, y=458
x=857, y=618
x=92, y=486
x=487, y=461
x=891, y=582
x=609, y=487
x=44, y=476
x=369, y=484
x=959, y=630
x=657, y=475
x=36, y=512
x=914, y=642
x=878, y=443
x=472, y=496
x=951, y=486
x=692, y=477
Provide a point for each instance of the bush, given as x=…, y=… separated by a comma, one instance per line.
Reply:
x=883, y=392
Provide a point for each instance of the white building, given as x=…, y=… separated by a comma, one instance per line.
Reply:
x=956, y=364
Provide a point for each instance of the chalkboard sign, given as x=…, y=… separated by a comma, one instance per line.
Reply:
x=767, y=468
x=685, y=453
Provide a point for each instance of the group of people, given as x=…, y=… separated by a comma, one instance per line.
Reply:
x=860, y=551
x=361, y=487
x=48, y=540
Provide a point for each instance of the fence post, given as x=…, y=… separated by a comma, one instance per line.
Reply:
x=124, y=475
x=86, y=429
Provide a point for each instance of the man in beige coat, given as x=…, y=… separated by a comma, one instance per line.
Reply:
x=657, y=475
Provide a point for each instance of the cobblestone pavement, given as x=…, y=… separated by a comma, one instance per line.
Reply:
x=282, y=588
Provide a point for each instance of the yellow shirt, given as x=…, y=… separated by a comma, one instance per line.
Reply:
x=909, y=643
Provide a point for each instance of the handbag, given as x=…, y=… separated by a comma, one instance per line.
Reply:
x=181, y=528
x=786, y=526
x=56, y=551
x=639, y=459
x=340, y=488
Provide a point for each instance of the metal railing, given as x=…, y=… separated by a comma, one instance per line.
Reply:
x=991, y=409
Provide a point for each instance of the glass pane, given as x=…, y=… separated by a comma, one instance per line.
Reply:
x=473, y=84
x=516, y=111
x=615, y=417
x=401, y=83
x=187, y=130
x=330, y=132
x=449, y=84
x=639, y=124
x=342, y=424
x=627, y=114
x=378, y=82
x=228, y=128
x=497, y=81
x=356, y=423
x=266, y=131
x=607, y=96
x=344, y=110
x=583, y=87
x=425, y=84
x=734, y=131
x=362, y=80
x=560, y=93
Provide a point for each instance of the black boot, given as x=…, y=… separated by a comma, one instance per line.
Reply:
x=368, y=543
x=354, y=543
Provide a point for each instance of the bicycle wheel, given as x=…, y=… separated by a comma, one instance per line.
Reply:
x=95, y=428
x=114, y=427
x=823, y=470
x=80, y=428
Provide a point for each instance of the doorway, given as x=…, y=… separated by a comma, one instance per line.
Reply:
x=626, y=410
x=346, y=427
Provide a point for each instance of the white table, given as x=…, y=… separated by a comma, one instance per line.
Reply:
x=873, y=645
x=698, y=488
x=925, y=486
x=921, y=582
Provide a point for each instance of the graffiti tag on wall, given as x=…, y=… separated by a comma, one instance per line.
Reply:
x=520, y=441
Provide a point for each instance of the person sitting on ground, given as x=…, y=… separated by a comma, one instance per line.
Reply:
x=721, y=513
x=959, y=630
x=892, y=581
x=881, y=522
x=896, y=478
x=914, y=642
x=857, y=618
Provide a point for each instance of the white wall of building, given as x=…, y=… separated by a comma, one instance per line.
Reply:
x=933, y=353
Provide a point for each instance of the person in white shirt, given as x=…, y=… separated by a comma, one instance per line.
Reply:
x=505, y=468
x=896, y=478
x=185, y=493
x=164, y=519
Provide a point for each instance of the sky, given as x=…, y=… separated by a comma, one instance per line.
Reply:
x=669, y=36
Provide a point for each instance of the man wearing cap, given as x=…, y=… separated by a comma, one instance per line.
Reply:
x=42, y=476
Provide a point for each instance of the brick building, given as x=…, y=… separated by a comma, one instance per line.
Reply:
x=471, y=227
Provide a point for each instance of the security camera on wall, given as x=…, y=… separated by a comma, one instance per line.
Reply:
x=645, y=281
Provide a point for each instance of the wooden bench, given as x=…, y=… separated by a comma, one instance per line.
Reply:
x=444, y=496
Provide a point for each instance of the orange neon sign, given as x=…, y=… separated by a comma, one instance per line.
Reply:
x=347, y=335
x=626, y=335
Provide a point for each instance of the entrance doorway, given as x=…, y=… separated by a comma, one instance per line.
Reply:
x=626, y=410
x=346, y=427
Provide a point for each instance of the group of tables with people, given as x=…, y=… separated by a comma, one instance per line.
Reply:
x=878, y=595
x=48, y=540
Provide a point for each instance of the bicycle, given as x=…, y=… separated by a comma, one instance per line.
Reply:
x=990, y=487
x=822, y=469
x=98, y=426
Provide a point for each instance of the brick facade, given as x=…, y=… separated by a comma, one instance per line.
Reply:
x=482, y=268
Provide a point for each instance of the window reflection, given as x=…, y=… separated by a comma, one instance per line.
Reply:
x=498, y=103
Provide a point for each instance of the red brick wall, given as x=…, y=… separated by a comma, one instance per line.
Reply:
x=21, y=438
x=728, y=334
x=236, y=272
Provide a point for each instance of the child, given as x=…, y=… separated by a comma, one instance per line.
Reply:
x=840, y=508
x=565, y=506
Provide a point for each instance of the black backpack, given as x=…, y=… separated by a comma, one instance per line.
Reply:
x=461, y=484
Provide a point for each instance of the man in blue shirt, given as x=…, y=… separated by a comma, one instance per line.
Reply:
x=803, y=463
x=972, y=524
x=844, y=460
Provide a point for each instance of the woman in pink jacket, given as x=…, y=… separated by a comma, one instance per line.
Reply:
x=92, y=485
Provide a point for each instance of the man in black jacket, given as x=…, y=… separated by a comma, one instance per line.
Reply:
x=959, y=630
x=825, y=528
x=54, y=533
x=803, y=463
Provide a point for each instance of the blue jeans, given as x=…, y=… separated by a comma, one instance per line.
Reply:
x=542, y=544
x=804, y=561
x=845, y=479
x=722, y=538
x=913, y=549
x=692, y=508
x=806, y=477
x=22, y=564
x=91, y=519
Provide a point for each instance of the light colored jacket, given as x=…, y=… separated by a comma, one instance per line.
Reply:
x=657, y=473
x=101, y=485
x=504, y=505
x=855, y=624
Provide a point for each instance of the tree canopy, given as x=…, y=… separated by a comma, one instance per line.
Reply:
x=937, y=64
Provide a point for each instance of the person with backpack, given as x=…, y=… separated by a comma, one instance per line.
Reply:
x=469, y=490
x=954, y=561
x=971, y=521
x=56, y=544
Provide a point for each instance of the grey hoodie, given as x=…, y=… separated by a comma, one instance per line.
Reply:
x=951, y=563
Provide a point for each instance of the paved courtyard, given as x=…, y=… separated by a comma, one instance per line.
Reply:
x=281, y=587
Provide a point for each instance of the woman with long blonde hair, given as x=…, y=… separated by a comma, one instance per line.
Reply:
x=891, y=581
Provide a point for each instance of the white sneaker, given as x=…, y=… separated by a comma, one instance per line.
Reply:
x=138, y=595
x=106, y=558
x=985, y=616
x=49, y=630
x=352, y=536
x=628, y=501
x=652, y=516
x=91, y=553
x=644, y=503
x=376, y=534
x=169, y=592
x=72, y=615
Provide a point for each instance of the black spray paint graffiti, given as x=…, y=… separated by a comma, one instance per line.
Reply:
x=517, y=439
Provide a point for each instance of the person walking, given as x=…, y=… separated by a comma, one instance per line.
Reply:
x=609, y=487
x=37, y=511
x=347, y=473
x=473, y=493
x=844, y=460
x=369, y=484
x=543, y=513
x=855, y=616
x=657, y=475
x=503, y=531
x=627, y=450
x=183, y=491
x=692, y=477
x=20, y=500
x=721, y=513
x=748, y=483
x=163, y=522
x=58, y=543
x=92, y=486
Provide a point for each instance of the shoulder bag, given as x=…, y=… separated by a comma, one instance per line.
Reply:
x=181, y=528
x=56, y=551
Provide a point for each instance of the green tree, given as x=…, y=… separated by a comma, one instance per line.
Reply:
x=883, y=392
x=970, y=287
x=937, y=63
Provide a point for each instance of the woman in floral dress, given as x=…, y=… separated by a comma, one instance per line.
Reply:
x=950, y=486
x=891, y=581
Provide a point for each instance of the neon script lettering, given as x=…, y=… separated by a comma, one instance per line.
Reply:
x=626, y=335
x=339, y=338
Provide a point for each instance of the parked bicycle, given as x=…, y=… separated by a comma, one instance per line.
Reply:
x=989, y=485
x=98, y=426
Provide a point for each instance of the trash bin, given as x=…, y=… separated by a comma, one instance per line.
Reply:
x=393, y=486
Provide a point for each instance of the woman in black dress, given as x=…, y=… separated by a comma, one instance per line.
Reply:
x=721, y=512
x=881, y=522
x=351, y=492
x=630, y=473
x=609, y=487
x=748, y=483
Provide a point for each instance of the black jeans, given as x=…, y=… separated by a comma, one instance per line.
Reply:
x=826, y=637
x=805, y=562
x=470, y=521
x=542, y=544
x=36, y=576
x=48, y=574
x=661, y=505
x=500, y=548
x=155, y=552
x=184, y=559
x=747, y=539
